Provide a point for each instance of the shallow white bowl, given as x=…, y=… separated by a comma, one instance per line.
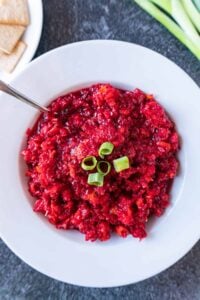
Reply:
x=65, y=255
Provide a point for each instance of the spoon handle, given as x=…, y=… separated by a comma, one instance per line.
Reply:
x=11, y=91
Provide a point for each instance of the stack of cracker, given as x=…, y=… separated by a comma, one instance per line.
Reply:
x=14, y=18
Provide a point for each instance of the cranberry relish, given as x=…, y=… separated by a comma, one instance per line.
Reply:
x=77, y=124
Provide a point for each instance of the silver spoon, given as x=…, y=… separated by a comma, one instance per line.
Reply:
x=11, y=91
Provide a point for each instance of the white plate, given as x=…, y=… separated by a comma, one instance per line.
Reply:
x=31, y=37
x=65, y=255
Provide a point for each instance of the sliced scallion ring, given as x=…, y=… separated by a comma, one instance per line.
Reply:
x=103, y=167
x=89, y=163
x=121, y=164
x=96, y=179
x=105, y=149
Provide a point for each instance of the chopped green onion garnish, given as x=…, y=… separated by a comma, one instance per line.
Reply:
x=106, y=149
x=95, y=179
x=103, y=167
x=89, y=163
x=121, y=164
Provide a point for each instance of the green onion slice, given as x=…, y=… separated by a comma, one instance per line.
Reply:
x=96, y=179
x=89, y=163
x=106, y=149
x=103, y=167
x=121, y=164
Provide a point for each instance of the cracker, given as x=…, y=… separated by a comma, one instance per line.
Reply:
x=9, y=61
x=14, y=12
x=9, y=36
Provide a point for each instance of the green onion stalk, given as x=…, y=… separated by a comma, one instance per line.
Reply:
x=182, y=20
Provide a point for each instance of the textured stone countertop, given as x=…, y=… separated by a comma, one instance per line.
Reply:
x=67, y=21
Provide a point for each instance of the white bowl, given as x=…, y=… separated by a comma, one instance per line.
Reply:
x=31, y=37
x=65, y=255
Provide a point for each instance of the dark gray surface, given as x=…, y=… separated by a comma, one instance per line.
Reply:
x=67, y=21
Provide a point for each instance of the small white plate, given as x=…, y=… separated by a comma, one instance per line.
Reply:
x=65, y=255
x=31, y=37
